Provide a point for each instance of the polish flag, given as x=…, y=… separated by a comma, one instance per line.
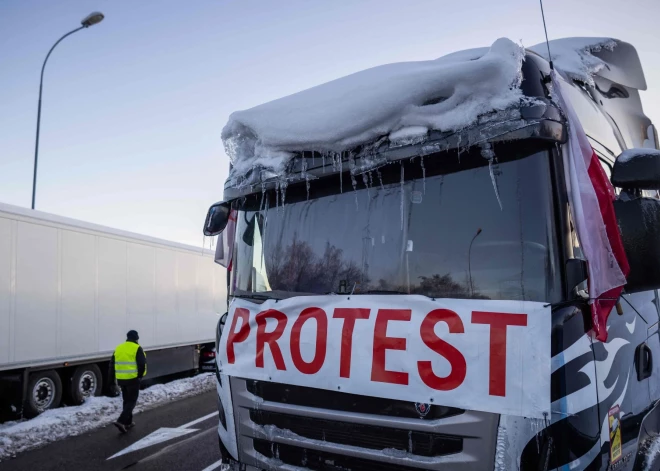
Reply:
x=591, y=197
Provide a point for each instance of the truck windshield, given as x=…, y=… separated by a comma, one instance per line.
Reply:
x=443, y=226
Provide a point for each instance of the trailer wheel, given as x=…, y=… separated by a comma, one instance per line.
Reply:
x=86, y=381
x=44, y=391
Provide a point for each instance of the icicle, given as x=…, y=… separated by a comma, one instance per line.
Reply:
x=283, y=185
x=304, y=172
x=421, y=161
x=458, y=147
x=402, y=195
x=277, y=196
x=351, y=166
x=263, y=195
x=492, y=179
x=352, y=171
x=380, y=179
x=266, y=208
x=537, y=426
x=323, y=161
x=341, y=175
x=488, y=153
x=365, y=180
x=410, y=444
x=307, y=185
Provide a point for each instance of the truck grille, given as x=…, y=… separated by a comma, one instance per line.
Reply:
x=366, y=436
x=280, y=426
x=312, y=459
x=333, y=400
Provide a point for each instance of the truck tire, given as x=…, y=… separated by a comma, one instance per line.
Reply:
x=44, y=391
x=86, y=381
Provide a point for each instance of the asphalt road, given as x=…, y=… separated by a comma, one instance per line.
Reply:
x=190, y=426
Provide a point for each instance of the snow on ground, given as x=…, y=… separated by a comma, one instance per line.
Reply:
x=401, y=101
x=58, y=424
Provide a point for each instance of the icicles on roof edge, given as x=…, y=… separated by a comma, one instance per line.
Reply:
x=400, y=100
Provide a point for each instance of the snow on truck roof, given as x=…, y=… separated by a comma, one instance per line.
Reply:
x=408, y=99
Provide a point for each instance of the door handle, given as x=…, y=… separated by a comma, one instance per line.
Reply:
x=643, y=361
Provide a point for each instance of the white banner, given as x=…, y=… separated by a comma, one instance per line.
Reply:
x=491, y=356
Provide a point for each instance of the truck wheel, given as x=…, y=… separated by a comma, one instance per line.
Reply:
x=86, y=381
x=44, y=391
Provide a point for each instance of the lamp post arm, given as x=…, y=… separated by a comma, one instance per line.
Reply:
x=41, y=84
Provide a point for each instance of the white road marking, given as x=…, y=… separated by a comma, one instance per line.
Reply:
x=159, y=436
x=164, y=434
x=201, y=419
x=213, y=466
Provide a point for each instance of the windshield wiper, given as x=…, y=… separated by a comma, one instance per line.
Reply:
x=260, y=297
x=266, y=295
x=382, y=291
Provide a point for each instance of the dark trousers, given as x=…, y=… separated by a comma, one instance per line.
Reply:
x=130, y=390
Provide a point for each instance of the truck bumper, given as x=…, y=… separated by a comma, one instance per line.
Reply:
x=284, y=427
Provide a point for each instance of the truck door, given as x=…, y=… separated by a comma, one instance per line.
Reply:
x=653, y=343
x=624, y=372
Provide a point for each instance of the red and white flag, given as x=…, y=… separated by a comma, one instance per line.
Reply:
x=591, y=197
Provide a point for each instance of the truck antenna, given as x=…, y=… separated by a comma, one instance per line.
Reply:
x=547, y=43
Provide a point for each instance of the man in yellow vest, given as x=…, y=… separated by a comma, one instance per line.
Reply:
x=128, y=365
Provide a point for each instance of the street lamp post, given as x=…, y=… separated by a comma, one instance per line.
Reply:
x=89, y=20
x=470, y=262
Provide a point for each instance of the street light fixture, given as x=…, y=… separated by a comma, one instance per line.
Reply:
x=90, y=20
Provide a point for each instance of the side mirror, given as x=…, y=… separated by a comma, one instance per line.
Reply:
x=639, y=217
x=637, y=169
x=217, y=218
x=248, y=235
x=639, y=223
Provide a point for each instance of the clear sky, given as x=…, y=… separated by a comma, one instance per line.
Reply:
x=133, y=107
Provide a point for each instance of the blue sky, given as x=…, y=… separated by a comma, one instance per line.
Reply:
x=133, y=107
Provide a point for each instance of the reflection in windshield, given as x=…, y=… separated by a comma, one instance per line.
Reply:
x=439, y=235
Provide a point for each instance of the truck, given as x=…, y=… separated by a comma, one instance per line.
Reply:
x=71, y=290
x=445, y=265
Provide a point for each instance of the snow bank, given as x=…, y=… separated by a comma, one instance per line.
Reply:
x=58, y=424
x=444, y=94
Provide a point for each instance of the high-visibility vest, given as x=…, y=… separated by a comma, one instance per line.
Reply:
x=125, y=361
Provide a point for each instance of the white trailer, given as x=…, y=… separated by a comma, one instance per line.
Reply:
x=69, y=292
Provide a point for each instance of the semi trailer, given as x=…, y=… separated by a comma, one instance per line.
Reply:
x=71, y=290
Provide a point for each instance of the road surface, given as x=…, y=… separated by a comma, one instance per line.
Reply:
x=186, y=430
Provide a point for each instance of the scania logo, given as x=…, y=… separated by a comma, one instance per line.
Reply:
x=422, y=409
